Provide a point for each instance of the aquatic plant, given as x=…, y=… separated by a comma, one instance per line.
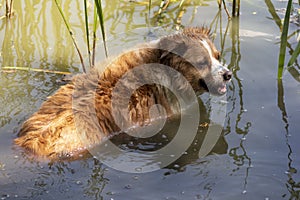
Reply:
x=98, y=12
x=8, y=8
x=71, y=34
x=99, y=18
x=284, y=42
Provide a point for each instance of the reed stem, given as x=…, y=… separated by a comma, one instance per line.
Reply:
x=284, y=37
x=101, y=21
x=87, y=30
x=71, y=34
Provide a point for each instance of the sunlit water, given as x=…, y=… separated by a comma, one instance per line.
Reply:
x=258, y=157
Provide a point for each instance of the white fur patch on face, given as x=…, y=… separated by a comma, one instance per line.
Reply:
x=216, y=66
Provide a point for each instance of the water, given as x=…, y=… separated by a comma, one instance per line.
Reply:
x=258, y=156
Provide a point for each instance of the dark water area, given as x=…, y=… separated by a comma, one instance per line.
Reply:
x=257, y=155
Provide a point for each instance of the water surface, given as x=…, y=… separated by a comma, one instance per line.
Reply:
x=258, y=155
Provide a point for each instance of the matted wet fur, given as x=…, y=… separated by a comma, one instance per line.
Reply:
x=63, y=128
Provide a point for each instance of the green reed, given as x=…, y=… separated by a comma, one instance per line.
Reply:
x=101, y=21
x=98, y=15
x=95, y=37
x=284, y=42
x=86, y=18
x=71, y=34
x=99, y=18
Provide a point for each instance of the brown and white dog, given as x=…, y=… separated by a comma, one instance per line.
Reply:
x=63, y=128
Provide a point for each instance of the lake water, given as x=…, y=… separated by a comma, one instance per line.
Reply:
x=255, y=158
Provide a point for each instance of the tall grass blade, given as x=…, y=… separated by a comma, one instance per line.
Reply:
x=226, y=10
x=233, y=7
x=8, y=8
x=71, y=34
x=163, y=5
x=94, y=36
x=238, y=7
x=87, y=30
x=101, y=20
x=181, y=3
x=272, y=11
x=284, y=38
x=149, y=7
x=236, y=4
x=219, y=3
x=294, y=55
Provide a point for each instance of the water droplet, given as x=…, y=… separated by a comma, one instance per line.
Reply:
x=78, y=182
x=176, y=166
x=138, y=169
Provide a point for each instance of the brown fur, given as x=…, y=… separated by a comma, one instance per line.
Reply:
x=79, y=114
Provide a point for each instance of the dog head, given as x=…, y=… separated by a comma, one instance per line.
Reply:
x=192, y=53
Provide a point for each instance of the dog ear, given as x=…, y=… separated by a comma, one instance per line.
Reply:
x=174, y=45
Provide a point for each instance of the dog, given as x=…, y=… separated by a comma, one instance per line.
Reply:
x=69, y=121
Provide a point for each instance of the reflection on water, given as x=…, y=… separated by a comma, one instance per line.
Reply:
x=292, y=185
x=36, y=34
x=254, y=158
x=238, y=153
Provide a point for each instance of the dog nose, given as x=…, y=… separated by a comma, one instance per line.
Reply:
x=227, y=75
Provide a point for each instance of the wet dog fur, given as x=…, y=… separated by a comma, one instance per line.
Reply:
x=69, y=121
